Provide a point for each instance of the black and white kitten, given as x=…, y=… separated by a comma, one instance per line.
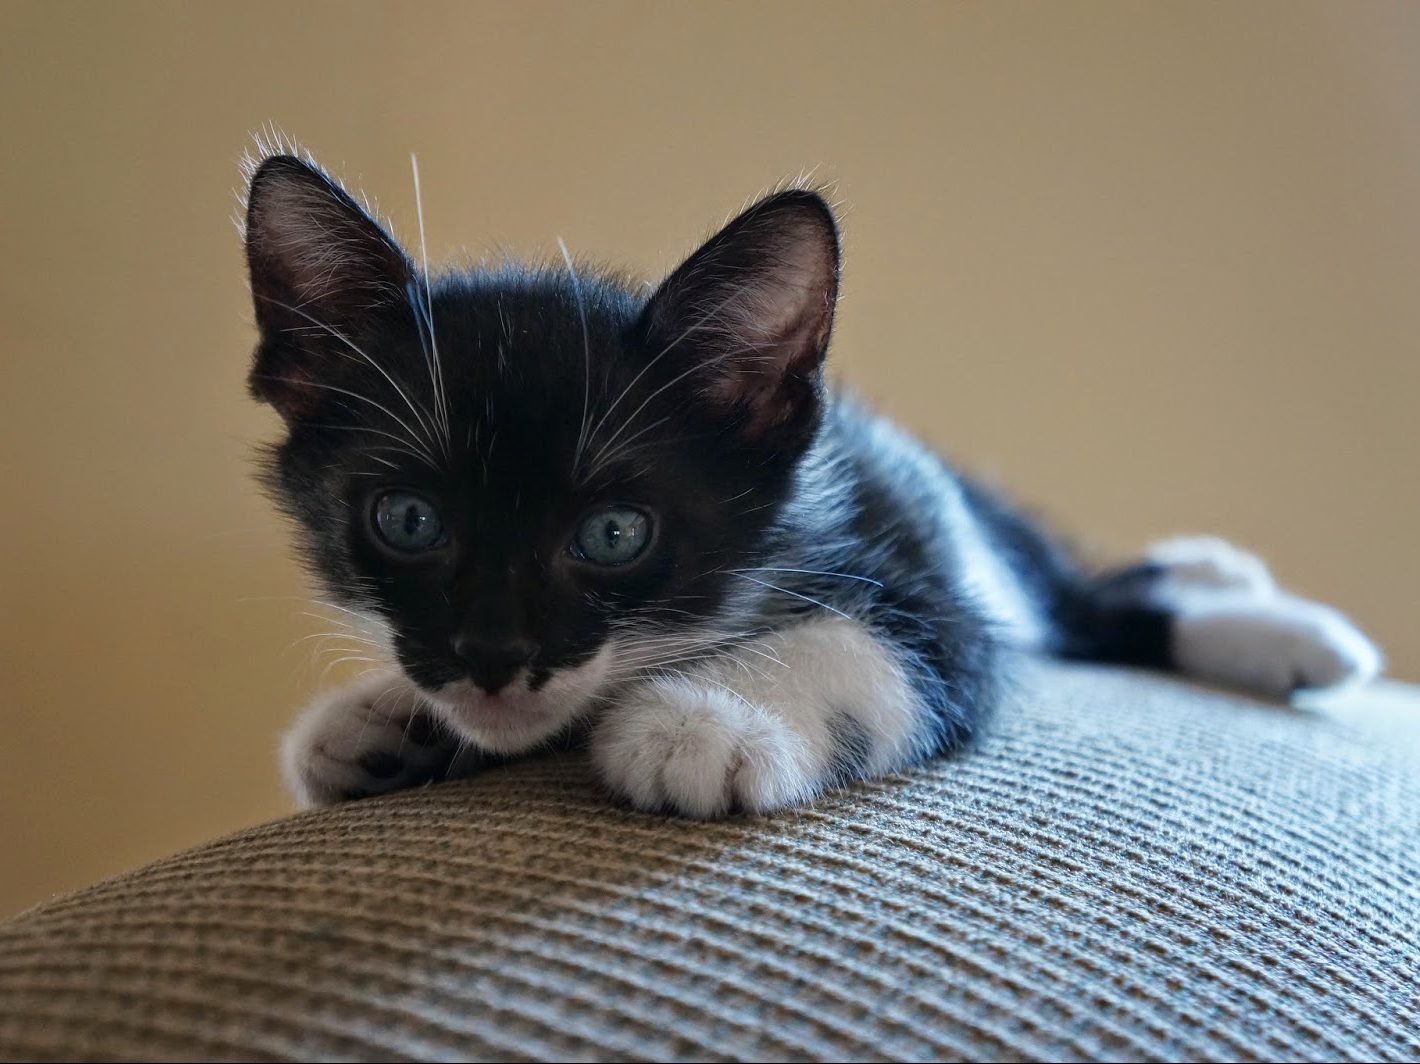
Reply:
x=564, y=505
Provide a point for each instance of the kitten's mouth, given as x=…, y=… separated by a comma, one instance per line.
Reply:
x=517, y=718
x=509, y=722
x=512, y=707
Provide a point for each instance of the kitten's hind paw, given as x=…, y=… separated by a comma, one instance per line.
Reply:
x=1209, y=562
x=1231, y=623
x=1275, y=645
x=369, y=738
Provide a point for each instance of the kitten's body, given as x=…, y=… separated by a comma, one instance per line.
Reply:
x=816, y=597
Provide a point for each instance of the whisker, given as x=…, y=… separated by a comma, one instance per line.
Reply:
x=387, y=435
x=329, y=636
x=325, y=672
x=413, y=439
x=342, y=609
x=436, y=377
x=696, y=367
x=586, y=355
x=795, y=594
x=808, y=572
x=663, y=352
x=317, y=323
x=625, y=446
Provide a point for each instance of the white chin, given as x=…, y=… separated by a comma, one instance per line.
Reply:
x=517, y=718
x=510, y=722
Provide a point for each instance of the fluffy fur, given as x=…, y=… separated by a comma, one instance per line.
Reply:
x=817, y=598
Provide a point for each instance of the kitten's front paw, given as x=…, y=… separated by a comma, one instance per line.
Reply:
x=700, y=751
x=372, y=737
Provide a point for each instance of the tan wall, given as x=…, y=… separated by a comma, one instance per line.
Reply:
x=1153, y=265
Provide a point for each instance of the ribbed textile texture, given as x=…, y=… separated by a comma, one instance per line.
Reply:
x=1130, y=868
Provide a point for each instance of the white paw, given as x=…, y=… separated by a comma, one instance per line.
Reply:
x=374, y=736
x=1272, y=645
x=700, y=751
x=1210, y=562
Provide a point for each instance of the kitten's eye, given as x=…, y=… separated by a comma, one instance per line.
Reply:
x=408, y=522
x=615, y=535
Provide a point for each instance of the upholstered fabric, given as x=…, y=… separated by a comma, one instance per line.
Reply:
x=1129, y=868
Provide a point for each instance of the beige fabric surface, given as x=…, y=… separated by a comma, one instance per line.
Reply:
x=1130, y=868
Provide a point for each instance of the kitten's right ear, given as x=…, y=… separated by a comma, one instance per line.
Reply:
x=753, y=307
x=321, y=268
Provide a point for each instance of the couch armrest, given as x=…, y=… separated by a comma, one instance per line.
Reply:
x=1129, y=868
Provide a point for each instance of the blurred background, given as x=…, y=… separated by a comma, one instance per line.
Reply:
x=1152, y=266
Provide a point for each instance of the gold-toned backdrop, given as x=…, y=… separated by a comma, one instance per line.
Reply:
x=1154, y=266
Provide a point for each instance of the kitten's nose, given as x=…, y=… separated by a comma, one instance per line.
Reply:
x=492, y=664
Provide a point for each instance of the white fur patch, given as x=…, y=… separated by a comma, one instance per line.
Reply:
x=988, y=578
x=984, y=573
x=762, y=730
x=1274, y=645
x=1232, y=624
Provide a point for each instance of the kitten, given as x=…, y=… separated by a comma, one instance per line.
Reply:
x=566, y=506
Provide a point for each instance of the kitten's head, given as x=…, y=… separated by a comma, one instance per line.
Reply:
x=535, y=481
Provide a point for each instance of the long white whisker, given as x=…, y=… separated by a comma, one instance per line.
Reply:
x=414, y=409
x=662, y=354
x=363, y=621
x=387, y=435
x=436, y=365
x=413, y=438
x=636, y=654
x=808, y=572
x=586, y=355
x=602, y=459
x=347, y=630
x=325, y=672
x=696, y=368
x=795, y=594
x=336, y=635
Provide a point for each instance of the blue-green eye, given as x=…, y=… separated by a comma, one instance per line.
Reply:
x=615, y=535
x=408, y=522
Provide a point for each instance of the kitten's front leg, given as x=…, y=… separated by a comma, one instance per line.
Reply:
x=766, y=727
x=373, y=736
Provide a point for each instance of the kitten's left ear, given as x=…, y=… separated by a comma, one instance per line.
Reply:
x=754, y=308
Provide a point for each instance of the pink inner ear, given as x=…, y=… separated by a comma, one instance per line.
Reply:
x=311, y=246
x=774, y=329
x=792, y=348
x=319, y=267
